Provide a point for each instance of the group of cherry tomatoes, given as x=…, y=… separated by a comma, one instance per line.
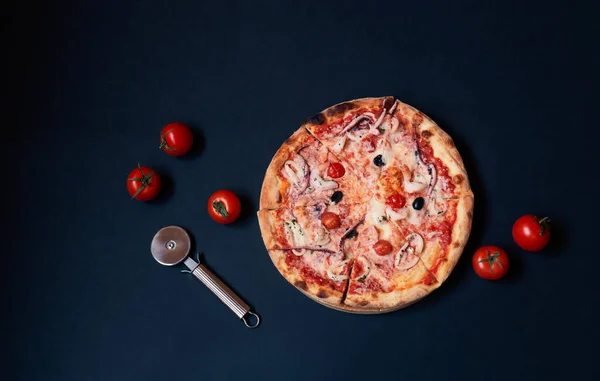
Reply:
x=144, y=183
x=530, y=232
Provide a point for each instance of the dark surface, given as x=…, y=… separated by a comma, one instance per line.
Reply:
x=90, y=87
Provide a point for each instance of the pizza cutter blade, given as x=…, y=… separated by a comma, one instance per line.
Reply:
x=171, y=246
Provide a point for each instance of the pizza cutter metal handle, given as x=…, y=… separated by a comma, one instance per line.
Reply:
x=220, y=289
x=171, y=245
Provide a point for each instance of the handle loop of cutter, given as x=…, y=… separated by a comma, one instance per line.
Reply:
x=246, y=317
x=246, y=320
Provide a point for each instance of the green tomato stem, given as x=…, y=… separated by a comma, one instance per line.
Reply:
x=544, y=223
x=491, y=259
x=220, y=208
x=144, y=180
x=163, y=142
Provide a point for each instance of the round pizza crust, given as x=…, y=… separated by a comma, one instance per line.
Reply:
x=445, y=151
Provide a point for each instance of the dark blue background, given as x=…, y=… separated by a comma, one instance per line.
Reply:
x=91, y=85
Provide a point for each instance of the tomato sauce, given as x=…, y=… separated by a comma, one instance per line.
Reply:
x=285, y=185
x=391, y=181
x=441, y=169
x=281, y=235
x=358, y=268
x=445, y=227
x=309, y=275
x=385, y=269
x=405, y=230
x=368, y=285
x=344, y=212
x=333, y=128
x=429, y=279
x=435, y=267
x=369, y=143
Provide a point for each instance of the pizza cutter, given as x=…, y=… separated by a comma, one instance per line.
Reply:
x=171, y=245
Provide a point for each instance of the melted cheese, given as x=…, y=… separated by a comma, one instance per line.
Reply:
x=376, y=213
x=316, y=260
x=397, y=215
x=381, y=278
x=377, y=216
x=415, y=217
x=309, y=230
x=402, y=150
x=338, y=144
x=366, y=268
x=295, y=171
x=322, y=236
x=436, y=206
x=322, y=153
x=294, y=233
x=415, y=186
x=318, y=183
x=336, y=271
x=384, y=148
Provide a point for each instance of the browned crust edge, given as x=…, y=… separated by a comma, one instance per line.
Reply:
x=383, y=303
x=410, y=290
x=393, y=300
x=270, y=193
x=267, y=224
x=445, y=150
x=328, y=296
x=460, y=236
x=341, y=110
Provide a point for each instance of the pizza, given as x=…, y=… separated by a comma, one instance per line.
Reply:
x=367, y=207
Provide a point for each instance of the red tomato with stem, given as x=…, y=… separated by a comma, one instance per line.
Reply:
x=143, y=183
x=176, y=139
x=490, y=262
x=224, y=206
x=531, y=233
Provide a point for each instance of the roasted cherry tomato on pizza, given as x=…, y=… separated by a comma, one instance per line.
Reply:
x=224, y=206
x=396, y=201
x=143, y=183
x=490, y=262
x=176, y=139
x=382, y=247
x=531, y=233
x=331, y=220
x=336, y=170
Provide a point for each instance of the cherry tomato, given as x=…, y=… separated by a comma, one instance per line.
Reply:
x=224, y=206
x=490, y=262
x=176, y=139
x=336, y=170
x=331, y=220
x=396, y=201
x=531, y=233
x=143, y=183
x=382, y=247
